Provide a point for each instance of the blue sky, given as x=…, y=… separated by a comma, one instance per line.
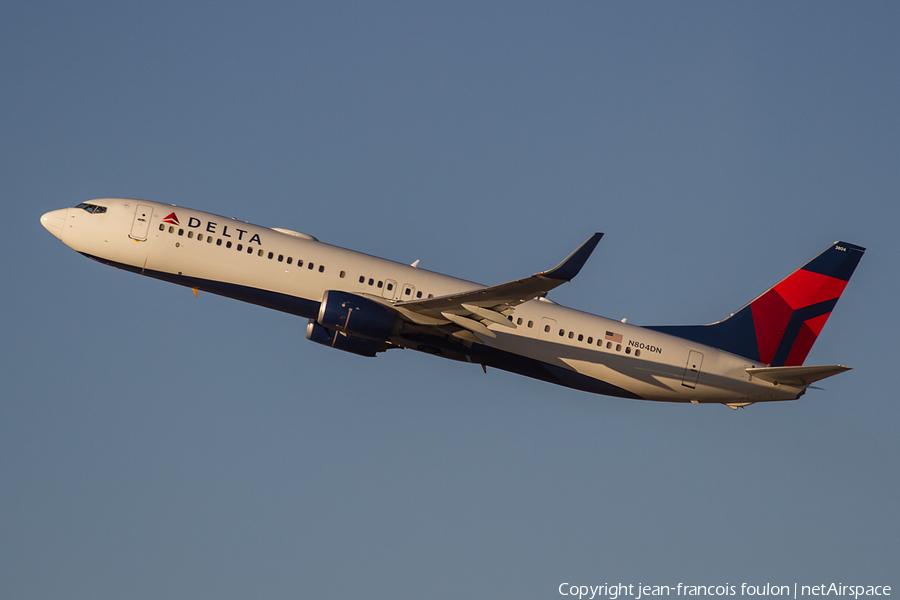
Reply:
x=157, y=445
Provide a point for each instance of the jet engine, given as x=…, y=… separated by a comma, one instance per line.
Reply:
x=355, y=315
x=342, y=341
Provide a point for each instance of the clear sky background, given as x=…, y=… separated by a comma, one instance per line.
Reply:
x=155, y=445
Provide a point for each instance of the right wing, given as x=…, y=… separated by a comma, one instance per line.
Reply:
x=475, y=309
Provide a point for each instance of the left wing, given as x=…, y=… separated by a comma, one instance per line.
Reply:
x=475, y=309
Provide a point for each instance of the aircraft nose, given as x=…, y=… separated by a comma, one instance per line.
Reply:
x=53, y=222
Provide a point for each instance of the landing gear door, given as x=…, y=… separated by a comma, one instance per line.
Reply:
x=141, y=224
x=692, y=369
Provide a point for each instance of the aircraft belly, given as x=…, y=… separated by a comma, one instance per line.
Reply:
x=659, y=388
x=642, y=378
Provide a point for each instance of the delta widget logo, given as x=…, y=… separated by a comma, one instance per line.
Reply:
x=171, y=219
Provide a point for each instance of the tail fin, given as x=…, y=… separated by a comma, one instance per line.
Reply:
x=780, y=326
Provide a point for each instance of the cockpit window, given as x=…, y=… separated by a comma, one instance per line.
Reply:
x=92, y=208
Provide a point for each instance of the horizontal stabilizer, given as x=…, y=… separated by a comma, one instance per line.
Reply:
x=796, y=376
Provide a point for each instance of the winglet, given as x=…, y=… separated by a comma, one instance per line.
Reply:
x=569, y=268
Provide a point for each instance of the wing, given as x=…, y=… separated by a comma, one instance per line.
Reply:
x=476, y=309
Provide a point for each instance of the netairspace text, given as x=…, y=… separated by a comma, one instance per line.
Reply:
x=640, y=591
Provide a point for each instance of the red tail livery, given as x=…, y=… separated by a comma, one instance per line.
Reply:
x=780, y=326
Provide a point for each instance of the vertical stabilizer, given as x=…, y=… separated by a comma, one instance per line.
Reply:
x=780, y=326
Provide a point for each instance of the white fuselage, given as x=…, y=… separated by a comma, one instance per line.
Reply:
x=291, y=272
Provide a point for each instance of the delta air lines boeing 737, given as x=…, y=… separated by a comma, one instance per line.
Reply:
x=366, y=305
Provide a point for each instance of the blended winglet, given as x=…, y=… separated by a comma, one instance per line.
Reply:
x=571, y=266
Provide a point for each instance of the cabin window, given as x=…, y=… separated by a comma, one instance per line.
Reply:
x=546, y=329
x=181, y=232
x=342, y=274
x=637, y=352
x=260, y=252
x=618, y=347
x=562, y=332
x=289, y=259
x=519, y=321
x=228, y=244
x=380, y=283
x=219, y=242
x=249, y=249
x=390, y=286
x=530, y=323
x=271, y=255
x=240, y=247
x=162, y=227
x=407, y=291
x=628, y=350
x=431, y=295
x=321, y=268
x=281, y=258
x=199, y=237
x=190, y=234
x=362, y=279
x=608, y=345
x=571, y=334
x=371, y=281
x=418, y=294
x=299, y=263
x=590, y=340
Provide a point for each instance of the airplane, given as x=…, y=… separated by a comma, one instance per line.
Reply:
x=365, y=305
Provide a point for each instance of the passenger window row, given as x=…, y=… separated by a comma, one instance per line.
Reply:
x=590, y=340
x=281, y=258
x=389, y=286
x=240, y=248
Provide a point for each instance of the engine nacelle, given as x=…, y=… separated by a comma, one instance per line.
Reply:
x=355, y=315
x=342, y=341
